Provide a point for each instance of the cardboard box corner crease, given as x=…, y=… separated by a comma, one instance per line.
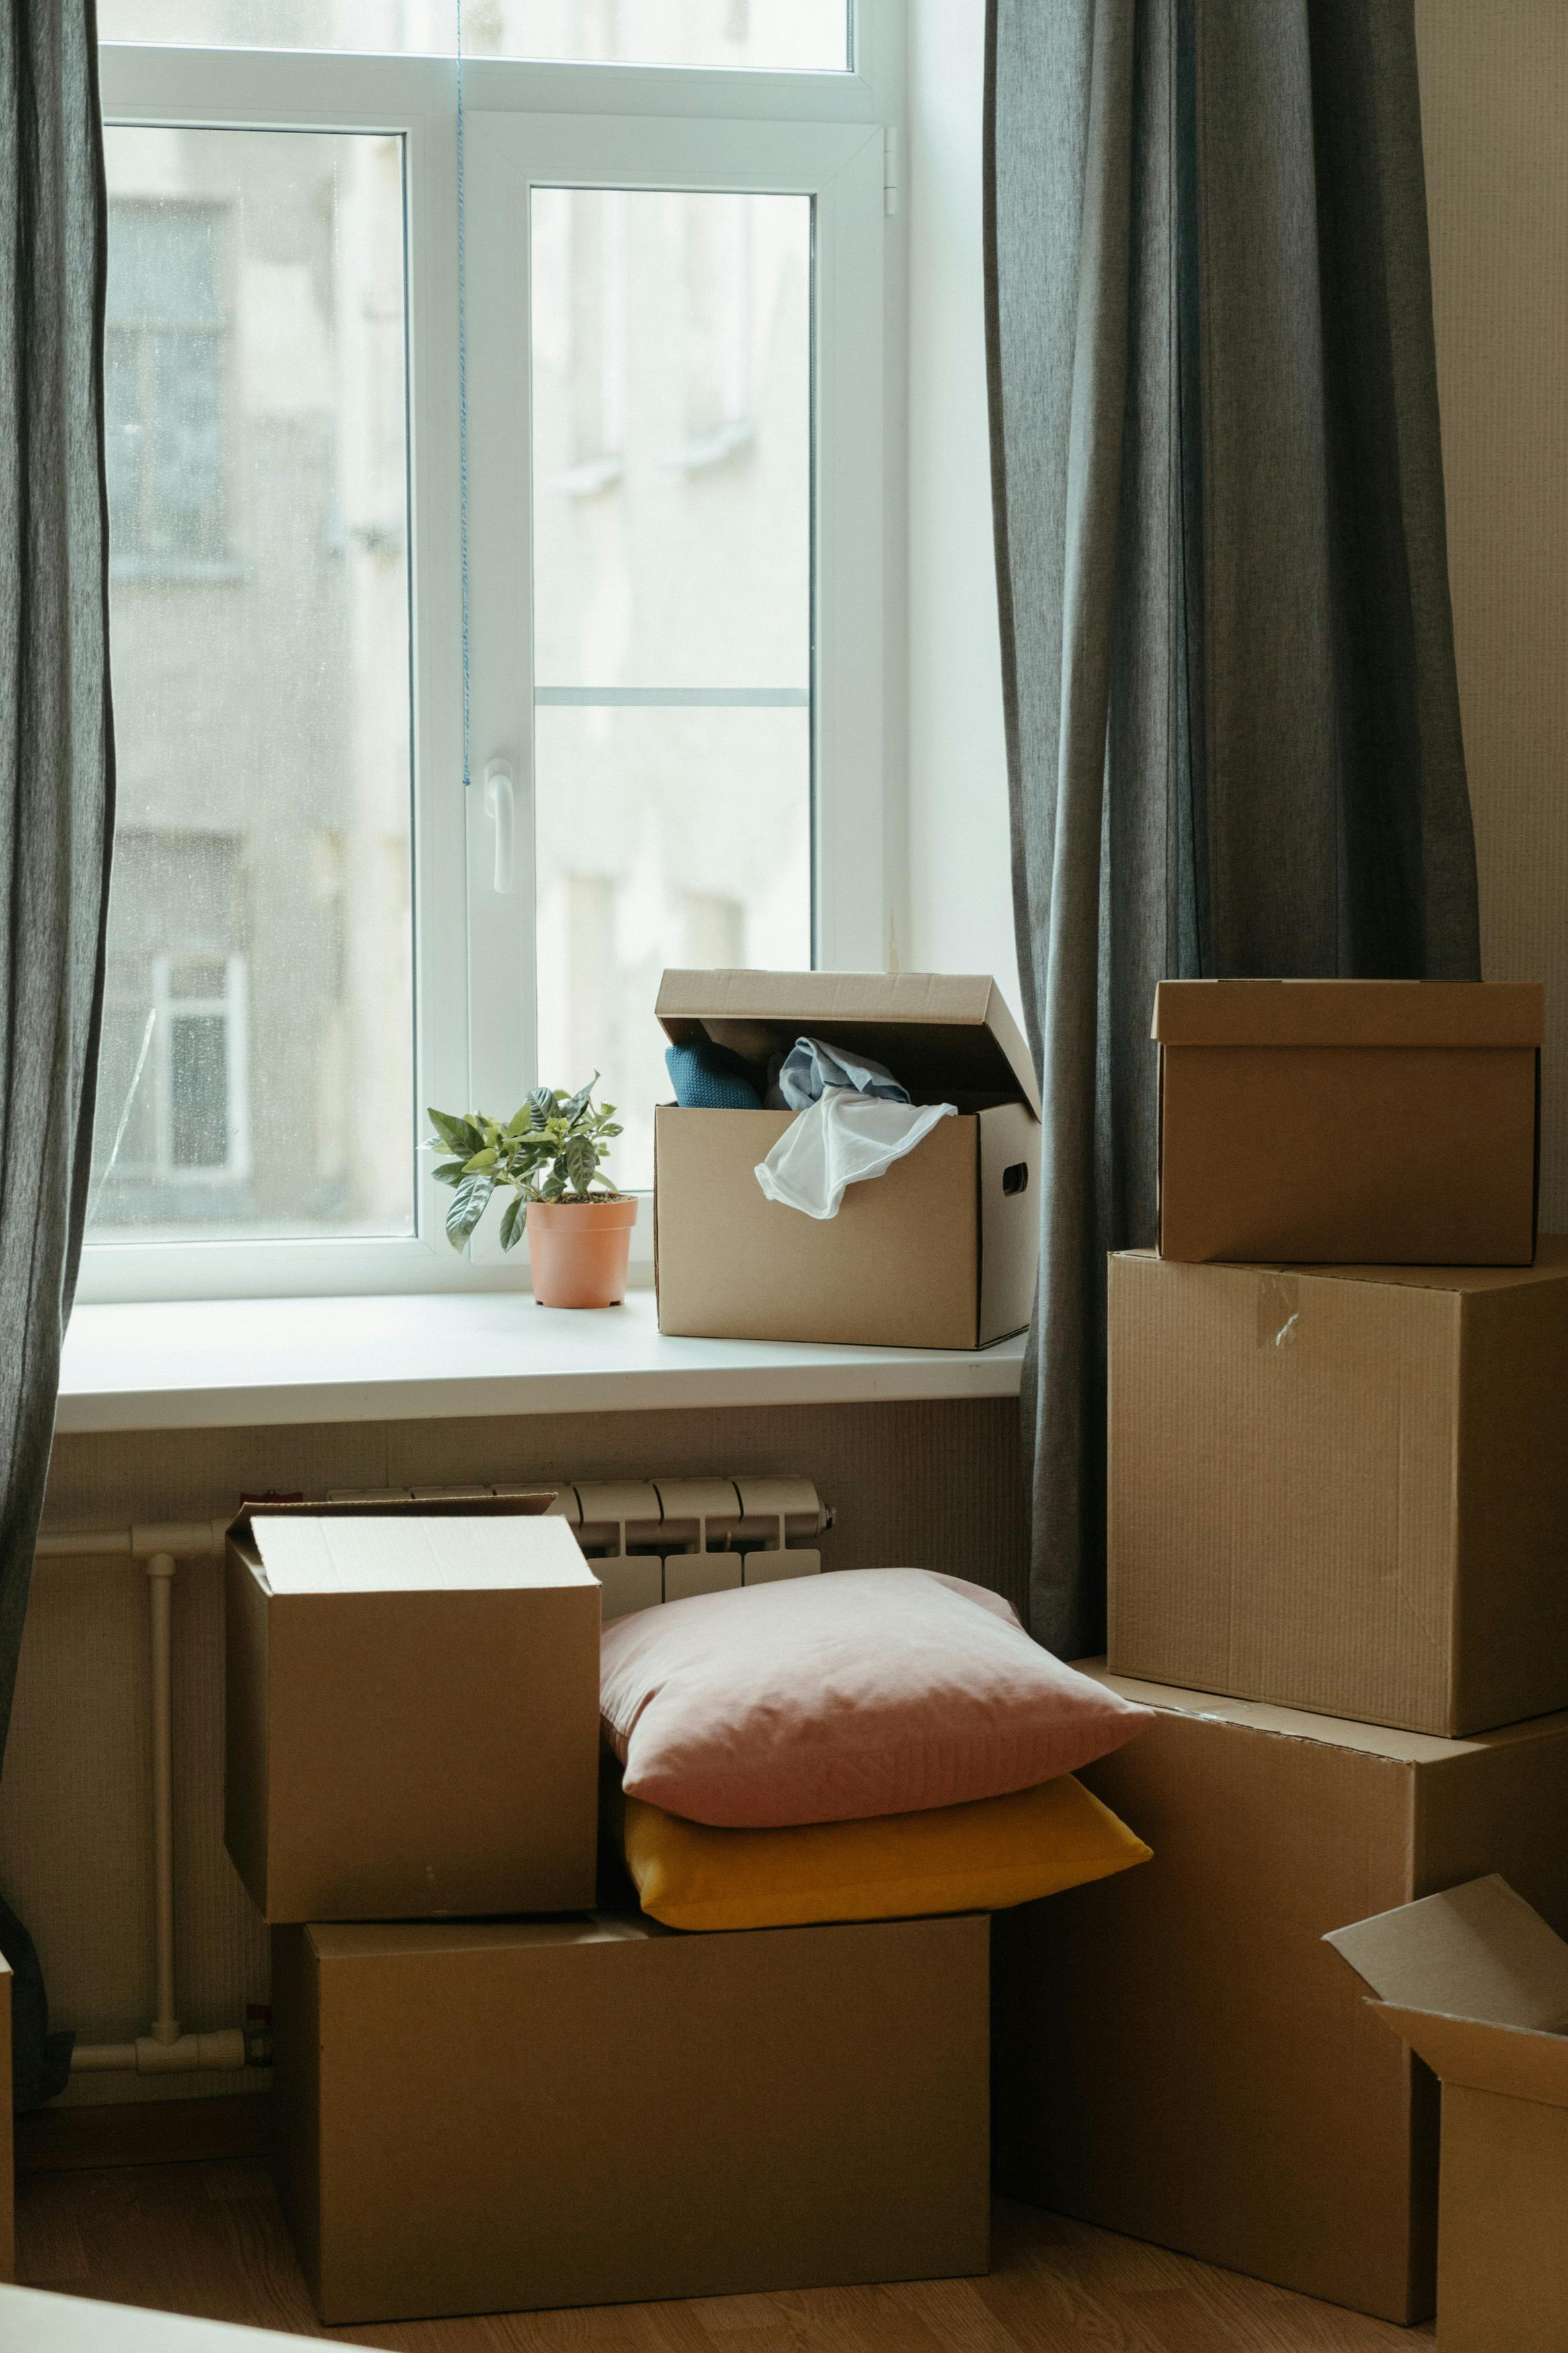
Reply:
x=1355, y=1122
x=1343, y=1488
x=939, y=1252
x=380, y=1658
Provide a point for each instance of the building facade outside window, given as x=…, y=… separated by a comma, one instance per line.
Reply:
x=677, y=590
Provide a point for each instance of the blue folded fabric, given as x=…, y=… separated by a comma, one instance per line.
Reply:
x=710, y=1078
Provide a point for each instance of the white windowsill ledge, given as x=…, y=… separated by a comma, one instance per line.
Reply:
x=200, y=1364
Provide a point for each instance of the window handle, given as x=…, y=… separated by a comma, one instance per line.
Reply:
x=500, y=807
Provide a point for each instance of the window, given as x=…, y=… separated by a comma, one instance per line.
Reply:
x=669, y=421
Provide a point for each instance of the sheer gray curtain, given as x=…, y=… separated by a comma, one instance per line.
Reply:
x=55, y=772
x=1228, y=650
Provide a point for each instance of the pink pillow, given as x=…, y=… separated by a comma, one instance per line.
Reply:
x=826, y=1699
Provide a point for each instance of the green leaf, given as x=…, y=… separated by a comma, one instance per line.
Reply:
x=469, y=1203
x=579, y=1102
x=448, y=1171
x=580, y=1158
x=485, y=1159
x=540, y=1103
x=456, y=1134
x=512, y=1222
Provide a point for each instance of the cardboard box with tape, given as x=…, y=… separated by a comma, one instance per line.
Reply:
x=940, y=1251
x=1361, y=1122
x=1477, y=1985
x=412, y=1709
x=1180, y=2057
x=514, y=2114
x=1343, y=1488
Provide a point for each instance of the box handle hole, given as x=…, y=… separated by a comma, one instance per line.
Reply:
x=1016, y=1178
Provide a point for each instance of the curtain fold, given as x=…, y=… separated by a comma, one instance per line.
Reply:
x=1232, y=712
x=56, y=764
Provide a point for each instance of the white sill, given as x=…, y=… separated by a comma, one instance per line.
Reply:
x=205, y=1364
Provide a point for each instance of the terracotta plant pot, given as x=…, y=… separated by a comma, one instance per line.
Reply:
x=579, y=1252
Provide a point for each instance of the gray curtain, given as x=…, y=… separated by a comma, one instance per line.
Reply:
x=1232, y=715
x=56, y=757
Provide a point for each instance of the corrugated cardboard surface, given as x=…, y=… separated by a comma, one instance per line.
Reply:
x=1173, y=2057
x=515, y=2115
x=1349, y=1153
x=413, y=1750
x=1502, y=2261
x=932, y=1254
x=1343, y=1488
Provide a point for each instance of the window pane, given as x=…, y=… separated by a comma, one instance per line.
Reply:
x=803, y=35
x=672, y=439
x=256, y=1077
x=666, y=836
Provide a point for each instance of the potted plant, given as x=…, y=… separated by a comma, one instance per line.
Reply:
x=547, y=1158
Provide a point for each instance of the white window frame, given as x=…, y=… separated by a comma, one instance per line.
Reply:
x=823, y=136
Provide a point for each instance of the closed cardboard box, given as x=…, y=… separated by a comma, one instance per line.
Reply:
x=1477, y=1983
x=1361, y=1122
x=940, y=1251
x=517, y=2115
x=1179, y=2056
x=412, y=1710
x=1343, y=1488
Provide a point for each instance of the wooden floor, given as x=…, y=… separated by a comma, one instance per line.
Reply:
x=209, y=2240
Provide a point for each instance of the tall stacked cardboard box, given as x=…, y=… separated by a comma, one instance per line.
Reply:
x=495, y=2097
x=1338, y=1554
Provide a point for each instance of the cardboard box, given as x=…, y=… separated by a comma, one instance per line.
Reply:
x=1343, y=1488
x=938, y=1253
x=1364, y=1122
x=1178, y=2054
x=1477, y=1983
x=413, y=1709
x=506, y=2116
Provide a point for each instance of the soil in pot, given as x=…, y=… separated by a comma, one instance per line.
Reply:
x=579, y=1251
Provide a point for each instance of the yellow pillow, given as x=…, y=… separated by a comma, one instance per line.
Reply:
x=972, y=1858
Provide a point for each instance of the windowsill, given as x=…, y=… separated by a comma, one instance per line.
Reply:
x=204, y=1365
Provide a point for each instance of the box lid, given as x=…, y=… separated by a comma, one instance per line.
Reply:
x=1475, y=1982
x=1551, y=1266
x=512, y=1545
x=1349, y=1013
x=939, y=1032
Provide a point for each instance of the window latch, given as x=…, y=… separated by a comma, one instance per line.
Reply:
x=500, y=808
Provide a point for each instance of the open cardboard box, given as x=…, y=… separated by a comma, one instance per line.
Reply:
x=938, y=1253
x=412, y=1714
x=1477, y=1983
x=1352, y=1121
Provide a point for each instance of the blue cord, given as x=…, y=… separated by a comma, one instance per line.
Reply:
x=463, y=393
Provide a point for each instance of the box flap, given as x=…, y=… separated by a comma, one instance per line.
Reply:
x=941, y=1034
x=1522, y=2062
x=1550, y=1265
x=304, y=1553
x=1349, y=1013
x=1478, y=1951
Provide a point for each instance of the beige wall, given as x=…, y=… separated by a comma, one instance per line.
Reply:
x=1494, y=95
x=939, y=1485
